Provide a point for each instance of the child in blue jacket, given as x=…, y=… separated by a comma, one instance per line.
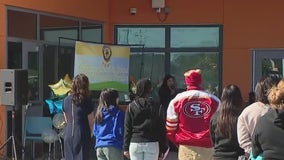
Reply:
x=108, y=127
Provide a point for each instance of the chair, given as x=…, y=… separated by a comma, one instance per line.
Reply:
x=34, y=127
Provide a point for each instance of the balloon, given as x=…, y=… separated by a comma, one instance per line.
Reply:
x=55, y=105
x=67, y=81
x=49, y=136
x=51, y=105
x=60, y=88
x=59, y=121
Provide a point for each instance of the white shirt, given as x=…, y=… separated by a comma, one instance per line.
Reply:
x=247, y=122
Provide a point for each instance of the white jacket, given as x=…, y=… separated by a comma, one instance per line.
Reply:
x=247, y=122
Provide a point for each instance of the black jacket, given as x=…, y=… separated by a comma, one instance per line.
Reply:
x=144, y=123
x=224, y=148
x=269, y=135
x=165, y=97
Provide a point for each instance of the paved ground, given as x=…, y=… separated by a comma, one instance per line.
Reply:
x=41, y=153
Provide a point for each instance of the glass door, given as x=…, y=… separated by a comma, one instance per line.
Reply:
x=267, y=62
x=31, y=63
x=31, y=60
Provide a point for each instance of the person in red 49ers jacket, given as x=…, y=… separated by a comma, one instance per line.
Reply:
x=188, y=119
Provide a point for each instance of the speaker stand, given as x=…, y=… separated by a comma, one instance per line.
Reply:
x=12, y=138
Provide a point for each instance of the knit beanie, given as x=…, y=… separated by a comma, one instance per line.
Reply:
x=193, y=78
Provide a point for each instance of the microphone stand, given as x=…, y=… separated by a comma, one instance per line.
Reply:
x=12, y=137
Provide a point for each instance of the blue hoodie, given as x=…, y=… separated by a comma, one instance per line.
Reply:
x=109, y=133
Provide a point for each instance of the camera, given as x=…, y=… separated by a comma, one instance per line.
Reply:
x=133, y=11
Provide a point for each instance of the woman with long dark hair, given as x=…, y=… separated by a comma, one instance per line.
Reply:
x=108, y=127
x=76, y=108
x=223, y=125
x=144, y=128
x=167, y=91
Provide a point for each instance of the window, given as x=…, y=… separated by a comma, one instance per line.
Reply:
x=33, y=74
x=147, y=65
x=149, y=37
x=174, y=49
x=208, y=62
x=52, y=28
x=92, y=32
x=194, y=37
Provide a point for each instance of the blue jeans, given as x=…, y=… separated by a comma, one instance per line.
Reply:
x=144, y=151
x=109, y=153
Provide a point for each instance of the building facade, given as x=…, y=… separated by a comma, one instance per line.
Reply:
x=231, y=41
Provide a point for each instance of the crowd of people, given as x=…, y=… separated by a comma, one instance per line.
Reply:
x=194, y=122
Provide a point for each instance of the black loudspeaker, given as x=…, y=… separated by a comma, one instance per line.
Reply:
x=14, y=87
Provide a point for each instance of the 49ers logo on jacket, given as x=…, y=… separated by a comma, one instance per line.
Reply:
x=196, y=109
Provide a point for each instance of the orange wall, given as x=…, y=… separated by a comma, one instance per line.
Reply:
x=2, y=36
x=248, y=25
x=2, y=65
x=89, y=9
x=182, y=12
